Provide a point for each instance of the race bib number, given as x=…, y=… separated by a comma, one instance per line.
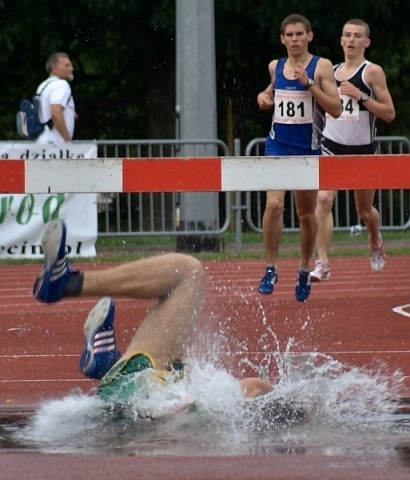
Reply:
x=293, y=107
x=350, y=108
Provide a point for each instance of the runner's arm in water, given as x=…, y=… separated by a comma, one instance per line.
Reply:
x=254, y=387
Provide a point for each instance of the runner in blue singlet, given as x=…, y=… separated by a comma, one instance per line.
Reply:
x=302, y=89
x=298, y=119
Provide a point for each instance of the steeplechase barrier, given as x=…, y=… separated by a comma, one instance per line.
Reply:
x=205, y=174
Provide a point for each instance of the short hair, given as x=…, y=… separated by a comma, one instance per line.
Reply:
x=53, y=59
x=360, y=23
x=295, y=18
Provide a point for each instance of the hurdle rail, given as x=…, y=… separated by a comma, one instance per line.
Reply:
x=205, y=174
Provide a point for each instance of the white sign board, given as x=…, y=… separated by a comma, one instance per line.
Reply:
x=23, y=217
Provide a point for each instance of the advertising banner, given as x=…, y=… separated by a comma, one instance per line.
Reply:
x=23, y=217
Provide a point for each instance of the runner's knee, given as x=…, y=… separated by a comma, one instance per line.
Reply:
x=274, y=206
x=192, y=269
x=324, y=202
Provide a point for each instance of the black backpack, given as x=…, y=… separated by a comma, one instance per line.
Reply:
x=28, y=123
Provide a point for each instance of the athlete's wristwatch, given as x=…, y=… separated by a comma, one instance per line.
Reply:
x=363, y=98
x=310, y=83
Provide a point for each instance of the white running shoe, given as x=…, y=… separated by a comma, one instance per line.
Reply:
x=321, y=272
x=377, y=256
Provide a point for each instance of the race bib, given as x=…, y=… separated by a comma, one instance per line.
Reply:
x=293, y=107
x=350, y=109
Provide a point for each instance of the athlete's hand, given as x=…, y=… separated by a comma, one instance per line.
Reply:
x=265, y=101
x=347, y=88
x=301, y=74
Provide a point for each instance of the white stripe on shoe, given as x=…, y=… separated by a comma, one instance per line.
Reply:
x=104, y=349
x=104, y=336
x=104, y=342
x=59, y=270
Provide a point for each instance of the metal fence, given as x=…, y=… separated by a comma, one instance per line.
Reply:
x=147, y=214
x=393, y=205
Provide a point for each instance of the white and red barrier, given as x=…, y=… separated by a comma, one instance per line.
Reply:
x=205, y=174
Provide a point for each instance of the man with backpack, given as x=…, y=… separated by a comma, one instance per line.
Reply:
x=56, y=103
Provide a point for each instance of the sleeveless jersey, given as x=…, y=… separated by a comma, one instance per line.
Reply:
x=298, y=120
x=354, y=131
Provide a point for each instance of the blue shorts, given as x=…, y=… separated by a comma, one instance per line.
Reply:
x=276, y=149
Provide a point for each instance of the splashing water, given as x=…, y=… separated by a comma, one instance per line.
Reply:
x=317, y=400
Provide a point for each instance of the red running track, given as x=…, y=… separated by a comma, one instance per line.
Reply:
x=351, y=318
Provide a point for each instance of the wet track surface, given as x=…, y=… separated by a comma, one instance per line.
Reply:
x=343, y=356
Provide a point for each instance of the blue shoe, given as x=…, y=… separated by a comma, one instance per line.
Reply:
x=268, y=281
x=303, y=286
x=100, y=352
x=48, y=287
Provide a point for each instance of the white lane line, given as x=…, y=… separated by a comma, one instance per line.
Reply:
x=401, y=310
x=48, y=355
x=67, y=380
x=234, y=354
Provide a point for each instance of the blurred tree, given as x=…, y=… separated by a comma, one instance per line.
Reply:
x=122, y=51
x=248, y=37
x=124, y=57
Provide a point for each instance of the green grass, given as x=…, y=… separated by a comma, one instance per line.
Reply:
x=248, y=238
x=343, y=244
x=126, y=248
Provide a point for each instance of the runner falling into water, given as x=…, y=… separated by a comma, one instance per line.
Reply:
x=176, y=281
